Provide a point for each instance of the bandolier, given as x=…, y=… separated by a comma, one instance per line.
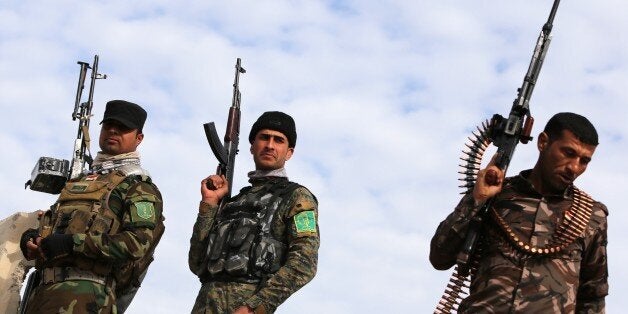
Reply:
x=497, y=233
x=572, y=226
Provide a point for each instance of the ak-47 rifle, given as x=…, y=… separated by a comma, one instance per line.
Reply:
x=505, y=134
x=226, y=153
x=50, y=174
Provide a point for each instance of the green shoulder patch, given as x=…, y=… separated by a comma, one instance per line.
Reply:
x=305, y=221
x=145, y=210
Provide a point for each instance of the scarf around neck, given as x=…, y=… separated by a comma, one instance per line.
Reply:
x=104, y=162
x=257, y=174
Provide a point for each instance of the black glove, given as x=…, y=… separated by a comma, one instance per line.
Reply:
x=57, y=245
x=28, y=235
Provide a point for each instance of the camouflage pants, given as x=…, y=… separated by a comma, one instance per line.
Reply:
x=222, y=297
x=72, y=297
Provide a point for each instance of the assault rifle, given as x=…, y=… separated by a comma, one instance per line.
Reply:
x=50, y=174
x=506, y=133
x=226, y=153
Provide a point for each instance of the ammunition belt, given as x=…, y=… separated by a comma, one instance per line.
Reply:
x=573, y=225
x=575, y=221
x=53, y=275
x=459, y=284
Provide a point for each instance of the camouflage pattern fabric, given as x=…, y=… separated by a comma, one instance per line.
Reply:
x=302, y=238
x=509, y=281
x=138, y=203
x=137, y=227
x=13, y=265
x=222, y=297
x=72, y=297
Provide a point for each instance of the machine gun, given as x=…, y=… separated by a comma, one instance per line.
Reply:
x=505, y=134
x=226, y=153
x=50, y=174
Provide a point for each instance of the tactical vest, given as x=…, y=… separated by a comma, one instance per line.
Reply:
x=82, y=207
x=241, y=245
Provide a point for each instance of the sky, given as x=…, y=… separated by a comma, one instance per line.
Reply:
x=384, y=94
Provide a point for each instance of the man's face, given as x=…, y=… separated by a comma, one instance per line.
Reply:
x=115, y=138
x=562, y=160
x=270, y=150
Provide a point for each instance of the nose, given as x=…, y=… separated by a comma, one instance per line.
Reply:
x=270, y=144
x=574, y=167
x=111, y=128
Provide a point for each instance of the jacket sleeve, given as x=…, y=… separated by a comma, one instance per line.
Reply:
x=451, y=233
x=302, y=255
x=141, y=207
x=198, y=243
x=593, y=286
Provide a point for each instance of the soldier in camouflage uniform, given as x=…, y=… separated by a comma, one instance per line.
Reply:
x=521, y=269
x=103, y=225
x=263, y=244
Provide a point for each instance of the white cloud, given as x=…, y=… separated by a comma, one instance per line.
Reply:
x=383, y=93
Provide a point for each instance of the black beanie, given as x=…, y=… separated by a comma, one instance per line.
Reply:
x=277, y=121
x=129, y=114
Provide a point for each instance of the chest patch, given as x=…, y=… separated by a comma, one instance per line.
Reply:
x=305, y=221
x=77, y=187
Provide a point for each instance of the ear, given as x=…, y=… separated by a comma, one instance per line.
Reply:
x=251, y=149
x=289, y=153
x=138, y=138
x=543, y=141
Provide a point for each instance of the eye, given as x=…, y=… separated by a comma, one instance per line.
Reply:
x=569, y=152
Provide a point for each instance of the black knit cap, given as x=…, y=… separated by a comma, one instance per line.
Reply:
x=129, y=114
x=277, y=121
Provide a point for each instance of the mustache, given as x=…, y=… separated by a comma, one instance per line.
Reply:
x=568, y=175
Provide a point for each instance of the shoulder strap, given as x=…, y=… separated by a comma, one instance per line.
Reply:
x=131, y=170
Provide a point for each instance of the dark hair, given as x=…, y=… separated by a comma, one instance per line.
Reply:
x=580, y=126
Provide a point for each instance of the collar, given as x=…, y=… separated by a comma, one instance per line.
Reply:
x=255, y=174
x=257, y=177
x=521, y=183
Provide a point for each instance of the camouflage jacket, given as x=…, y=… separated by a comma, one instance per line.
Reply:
x=509, y=281
x=301, y=256
x=135, y=234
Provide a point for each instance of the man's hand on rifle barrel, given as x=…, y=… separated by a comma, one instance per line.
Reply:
x=213, y=189
x=488, y=184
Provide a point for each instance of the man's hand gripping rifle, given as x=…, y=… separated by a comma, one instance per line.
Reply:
x=505, y=134
x=226, y=153
x=50, y=174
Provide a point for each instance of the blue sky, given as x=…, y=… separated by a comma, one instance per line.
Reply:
x=384, y=94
